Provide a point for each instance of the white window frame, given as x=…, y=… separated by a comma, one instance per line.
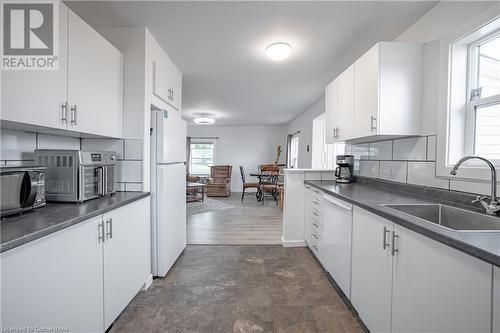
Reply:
x=194, y=142
x=296, y=164
x=472, y=83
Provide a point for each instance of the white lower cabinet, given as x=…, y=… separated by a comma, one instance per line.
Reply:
x=126, y=264
x=496, y=300
x=55, y=281
x=371, y=284
x=434, y=288
x=79, y=278
x=307, y=215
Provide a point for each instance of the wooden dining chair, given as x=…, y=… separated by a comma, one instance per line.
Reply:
x=245, y=183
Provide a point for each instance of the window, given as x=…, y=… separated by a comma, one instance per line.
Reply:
x=483, y=110
x=202, y=158
x=294, y=151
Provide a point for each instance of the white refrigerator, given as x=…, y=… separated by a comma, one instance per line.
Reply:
x=168, y=189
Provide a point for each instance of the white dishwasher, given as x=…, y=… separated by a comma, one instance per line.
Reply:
x=337, y=240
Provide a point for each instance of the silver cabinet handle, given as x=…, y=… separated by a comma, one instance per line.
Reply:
x=338, y=133
x=394, y=250
x=315, y=202
x=384, y=242
x=315, y=214
x=316, y=248
x=315, y=236
x=373, y=123
x=316, y=225
x=64, y=112
x=74, y=111
x=109, y=228
x=100, y=232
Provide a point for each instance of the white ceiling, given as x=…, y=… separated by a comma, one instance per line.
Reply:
x=219, y=47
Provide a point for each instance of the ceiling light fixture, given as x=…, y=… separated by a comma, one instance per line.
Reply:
x=278, y=51
x=204, y=119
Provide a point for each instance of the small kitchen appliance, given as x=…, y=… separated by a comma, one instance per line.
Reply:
x=77, y=176
x=22, y=189
x=344, y=170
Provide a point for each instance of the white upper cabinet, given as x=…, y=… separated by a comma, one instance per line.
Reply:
x=84, y=95
x=167, y=80
x=387, y=94
x=339, y=107
x=437, y=288
x=371, y=284
x=95, y=81
x=38, y=97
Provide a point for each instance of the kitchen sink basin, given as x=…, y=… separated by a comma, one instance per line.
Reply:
x=451, y=218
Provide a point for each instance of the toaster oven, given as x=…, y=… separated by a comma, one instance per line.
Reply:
x=22, y=189
x=77, y=176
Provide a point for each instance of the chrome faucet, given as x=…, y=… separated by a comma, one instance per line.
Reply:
x=493, y=207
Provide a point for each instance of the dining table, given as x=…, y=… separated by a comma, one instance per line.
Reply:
x=264, y=178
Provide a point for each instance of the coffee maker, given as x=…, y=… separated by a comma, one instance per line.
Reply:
x=344, y=170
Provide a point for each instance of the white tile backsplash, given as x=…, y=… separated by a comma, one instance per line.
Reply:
x=46, y=141
x=17, y=145
x=312, y=175
x=115, y=145
x=431, y=148
x=424, y=174
x=369, y=169
x=361, y=152
x=129, y=171
x=133, y=187
x=381, y=150
x=327, y=175
x=471, y=186
x=393, y=170
x=133, y=149
x=413, y=149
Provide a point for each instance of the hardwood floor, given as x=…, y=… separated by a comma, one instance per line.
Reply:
x=246, y=222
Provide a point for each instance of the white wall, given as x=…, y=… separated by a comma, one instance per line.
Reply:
x=248, y=146
x=304, y=124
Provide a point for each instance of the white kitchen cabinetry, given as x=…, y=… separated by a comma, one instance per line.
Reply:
x=55, y=281
x=317, y=224
x=95, y=81
x=167, y=80
x=126, y=264
x=371, y=284
x=336, y=241
x=437, y=288
x=37, y=96
x=339, y=106
x=387, y=90
x=84, y=95
x=496, y=300
x=307, y=214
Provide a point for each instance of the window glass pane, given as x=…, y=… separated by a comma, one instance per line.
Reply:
x=487, y=136
x=489, y=67
x=202, y=157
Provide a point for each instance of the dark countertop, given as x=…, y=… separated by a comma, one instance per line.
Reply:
x=17, y=230
x=369, y=196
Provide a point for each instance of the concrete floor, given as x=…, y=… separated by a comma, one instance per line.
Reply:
x=230, y=288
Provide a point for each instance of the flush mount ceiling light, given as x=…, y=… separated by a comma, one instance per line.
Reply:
x=279, y=51
x=204, y=119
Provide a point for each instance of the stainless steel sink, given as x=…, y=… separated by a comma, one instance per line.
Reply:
x=451, y=218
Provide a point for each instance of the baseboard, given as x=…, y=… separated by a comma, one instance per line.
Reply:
x=292, y=243
x=148, y=282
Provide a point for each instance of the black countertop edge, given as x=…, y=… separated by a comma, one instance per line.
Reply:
x=405, y=221
x=118, y=200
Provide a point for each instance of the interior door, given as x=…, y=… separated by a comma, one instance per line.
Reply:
x=95, y=81
x=170, y=215
x=337, y=221
x=371, y=269
x=127, y=262
x=37, y=97
x=437, y=288
x=55, y=281
x=170, y=137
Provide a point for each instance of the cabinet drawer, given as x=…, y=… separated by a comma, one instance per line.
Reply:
x=317, y=202
x=314, y=245
x=317, y=228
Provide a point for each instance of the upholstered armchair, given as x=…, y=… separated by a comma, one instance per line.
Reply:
x=219, y=183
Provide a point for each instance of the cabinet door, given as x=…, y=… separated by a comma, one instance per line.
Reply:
x=366, y=83
x=127, y=262
x=331, y=111
x=55, y=281
x=496, y=300
x=37, y=97
x=95, y=81
x=167, y=81
x=307, y=214
x=345, y=112
x=336, y=244
x=437, y=288
x=371, y=270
